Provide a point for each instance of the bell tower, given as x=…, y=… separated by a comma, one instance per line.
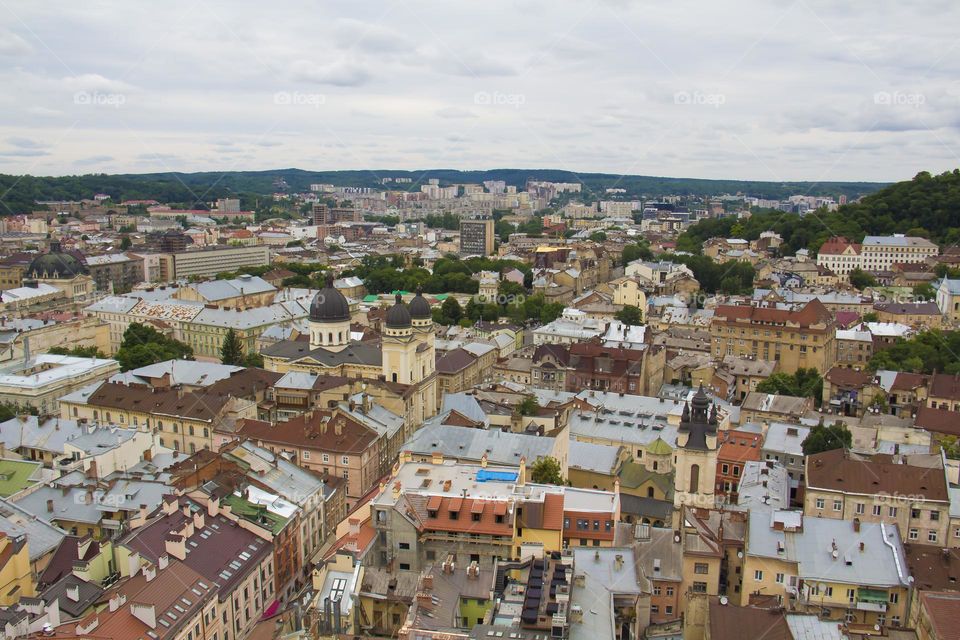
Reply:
x=695, y=459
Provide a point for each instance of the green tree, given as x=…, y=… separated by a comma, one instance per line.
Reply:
x=598, y=236
x=546, y=470
x=143, y=345
x=550, y=312
x=231, y=352
x=451, y=310
x=125, y=243
x=924, y=292
x=804, y=383
x=528, y=406
x=639, y=251
x=630, y=315
x=822, y=438
x=253, y=360
x=861, y=279
x=78, y=352
x=871, y=316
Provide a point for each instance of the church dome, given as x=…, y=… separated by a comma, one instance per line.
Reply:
x=55, y=264
x=329, y=305
x=419, y=307
x=398, y=317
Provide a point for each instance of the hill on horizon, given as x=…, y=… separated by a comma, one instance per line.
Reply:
x=20, y=193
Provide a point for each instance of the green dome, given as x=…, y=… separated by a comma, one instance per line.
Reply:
x=56, y=264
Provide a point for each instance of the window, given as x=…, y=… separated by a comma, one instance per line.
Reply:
x=701, y=567
x=345, y=460
x=932, y=535
x=837, y=505
x=654, y=609
x=819, y=503
x=404, y=545
x=405, y=566
x=668, y=608
x=934, y=515
x=914, y=513
x=724, y=468
x=895, y=621
x=656, y=591
x=305, y=455
x=669, y=591
x=326, y=457
x=758, y=575
x=894, y=598
x=860, y=508
x=699, y=587
x=779, y=578
x=892, y=512
x=876, y=509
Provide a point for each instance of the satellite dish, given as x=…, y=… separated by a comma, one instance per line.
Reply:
x=676, y=538
x=723, y=600
x=740, y=554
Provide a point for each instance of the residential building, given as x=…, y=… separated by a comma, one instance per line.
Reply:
x=175, y=265
x=116, y=272
x=40, y=382
x=905, y=491
x=793, y=338
x=477, y=237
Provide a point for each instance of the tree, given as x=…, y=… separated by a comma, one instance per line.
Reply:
x=861, y=279
x=822, y=438
x=78, y=352
x=253, y=360
x=630, y=315
x=639, y=251
x=872, y=316
x=546, y=470
x=528, y=406
x=924, y=292
x=451, y=310
x=125, y=243
x=598, y=236
x=804, y=383
x=231, y=352
x=550, y=312
x=143, y=345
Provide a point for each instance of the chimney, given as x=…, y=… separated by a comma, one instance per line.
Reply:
x=169, y=504
x=856, y=525
x=483, y=461
x=49, y=506
x=145, y=613
x=163, y=561
x=428, y=582
x=117, y=601
x=213, y=506
x=522, y=473
x=176, y=546
x=73, y=593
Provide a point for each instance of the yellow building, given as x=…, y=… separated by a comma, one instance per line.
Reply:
x=630, y=292
x=860, y=576
x=16, y=578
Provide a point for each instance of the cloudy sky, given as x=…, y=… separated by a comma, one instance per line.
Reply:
x=767, y=90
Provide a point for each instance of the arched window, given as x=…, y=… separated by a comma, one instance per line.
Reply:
x=649, y=492
x=394, y=377
x=694, y=478
x=206, y=432
x=191, y=429
x=330, y=337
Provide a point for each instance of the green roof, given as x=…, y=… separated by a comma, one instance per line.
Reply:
x=371, y=298
x=442, y=296
x=255, y=513
x=403, y=293
x=634, y=474
x=659, y=448
x=15, y=475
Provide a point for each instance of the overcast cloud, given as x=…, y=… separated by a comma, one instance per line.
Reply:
x=768, y=90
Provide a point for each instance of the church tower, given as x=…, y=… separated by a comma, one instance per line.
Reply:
x=329, y=319
x=695, y=460
x=399, y=345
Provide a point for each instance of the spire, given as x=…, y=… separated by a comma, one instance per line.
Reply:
x=399, y=298
x=329, y=279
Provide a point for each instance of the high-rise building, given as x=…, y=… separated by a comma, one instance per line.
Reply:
x=476, y=237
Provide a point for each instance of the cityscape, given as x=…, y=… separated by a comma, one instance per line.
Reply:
x=484, y=401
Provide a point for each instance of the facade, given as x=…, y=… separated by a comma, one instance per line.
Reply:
x=875, y=253
x=42, y=381
x=906, y=492
x=116, y=272
x=695, y=458
x=476, y=237
x=209, y=262
x=794, y=339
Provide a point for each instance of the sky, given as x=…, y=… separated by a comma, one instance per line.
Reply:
x=768, y=90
